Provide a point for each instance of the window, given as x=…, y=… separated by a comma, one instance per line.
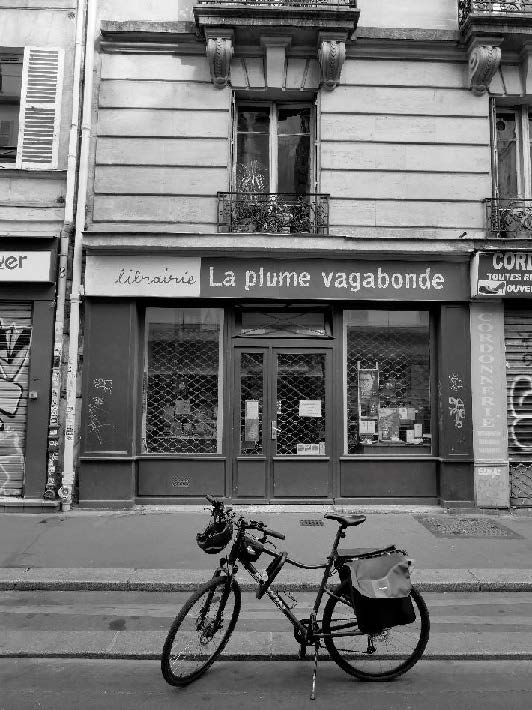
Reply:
x=30, y=94
x=387, y=381
x=10, y=89
x=183, y=366
x=513, y=143
x=283, y=322
x=273, y=148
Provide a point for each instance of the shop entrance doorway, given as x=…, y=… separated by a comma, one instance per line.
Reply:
x=282, y=422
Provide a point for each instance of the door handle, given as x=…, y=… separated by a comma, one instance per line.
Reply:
x=274, y=429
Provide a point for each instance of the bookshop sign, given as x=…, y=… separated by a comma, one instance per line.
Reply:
x=177, y=276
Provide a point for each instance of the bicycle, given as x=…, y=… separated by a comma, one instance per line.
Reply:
x=206, y=621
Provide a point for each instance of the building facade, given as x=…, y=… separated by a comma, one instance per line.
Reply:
x=36, y=108
x=282, y=206
x=276, y=252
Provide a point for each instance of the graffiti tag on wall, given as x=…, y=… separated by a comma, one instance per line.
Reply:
x=100, y=426
x=14, y=350
x=520, y=423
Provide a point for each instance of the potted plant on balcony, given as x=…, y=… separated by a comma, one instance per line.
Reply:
x=248, y=205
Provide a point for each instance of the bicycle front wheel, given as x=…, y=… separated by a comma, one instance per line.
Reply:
x=200, y=631
x=382, y=657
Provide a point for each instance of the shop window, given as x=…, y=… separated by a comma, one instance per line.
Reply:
x=30, y=93
x=387, y=377
x=273, y=147
x=183, y=366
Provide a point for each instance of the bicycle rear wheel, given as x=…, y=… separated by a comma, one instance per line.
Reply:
x=378, y=658
x=200, y=631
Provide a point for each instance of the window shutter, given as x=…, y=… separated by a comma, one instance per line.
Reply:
x=40, y=108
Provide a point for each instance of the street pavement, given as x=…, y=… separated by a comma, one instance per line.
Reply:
x=155, y=548
x=122, y=625
x=49, y=684
x=106, y=584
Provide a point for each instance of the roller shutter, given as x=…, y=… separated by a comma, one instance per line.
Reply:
x=15, y=339
x=518, y=337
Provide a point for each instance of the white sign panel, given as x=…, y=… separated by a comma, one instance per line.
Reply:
x=139, y=275
x=25, y=265
x=310, y=407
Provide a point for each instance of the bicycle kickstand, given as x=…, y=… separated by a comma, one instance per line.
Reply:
x=315, y=672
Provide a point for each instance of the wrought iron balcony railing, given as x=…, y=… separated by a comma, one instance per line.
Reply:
x=273, y=212
x=509, y=218
x=492, y=7
x=282, y=3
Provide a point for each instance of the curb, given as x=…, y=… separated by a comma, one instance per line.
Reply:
x=185, y=580
x=278, y=657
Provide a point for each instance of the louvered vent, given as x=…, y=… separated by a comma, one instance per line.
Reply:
x=40, y=107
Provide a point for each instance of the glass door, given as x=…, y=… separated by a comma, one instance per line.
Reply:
x=300, y=424
x=282, y=423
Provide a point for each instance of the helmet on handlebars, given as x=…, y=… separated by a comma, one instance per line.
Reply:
x=216, y=536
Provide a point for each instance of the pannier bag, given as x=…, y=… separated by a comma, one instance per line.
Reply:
x=381, y=586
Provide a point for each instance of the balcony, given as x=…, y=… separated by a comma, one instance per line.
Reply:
x=511, y=20
x=249, y=19
x=509, y=218
x=500, y=8
x=273, y=213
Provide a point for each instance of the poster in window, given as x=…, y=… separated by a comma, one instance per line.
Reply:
x=368, y=392
x=389, y=424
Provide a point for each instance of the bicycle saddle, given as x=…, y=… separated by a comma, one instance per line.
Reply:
x=346, y=520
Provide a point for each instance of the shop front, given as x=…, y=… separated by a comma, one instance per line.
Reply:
x=290, y=380
x=26, y=336
x=502, y=289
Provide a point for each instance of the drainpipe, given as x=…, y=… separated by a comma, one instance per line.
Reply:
x=68, y=475
x=67, y=233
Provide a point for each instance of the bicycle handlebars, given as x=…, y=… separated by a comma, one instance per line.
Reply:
x=219, y=506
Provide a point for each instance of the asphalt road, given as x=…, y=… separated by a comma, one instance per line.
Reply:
x=49, y=684
x=134, y=624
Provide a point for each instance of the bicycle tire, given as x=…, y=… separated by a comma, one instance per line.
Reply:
x=181, y=662
x=390, y=659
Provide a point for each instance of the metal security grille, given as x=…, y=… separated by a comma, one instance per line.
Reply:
x=15, y=342
x=401, y=356
x=182, y=388
x=301, y=410
x=251, y=403
x=518, y=341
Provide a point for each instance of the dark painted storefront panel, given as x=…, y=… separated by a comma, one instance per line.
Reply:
x=455, y=407
x=109, y=381
x=388, y=479
x=456, y=429
x=457, y=483
x=185, y=477
x=250, y=478
x=39, y=409
x=104, y=483
x=300, y=478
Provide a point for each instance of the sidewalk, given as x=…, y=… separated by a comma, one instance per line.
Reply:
x=154, y=548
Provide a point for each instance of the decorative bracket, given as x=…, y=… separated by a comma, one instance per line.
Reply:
x=331, y=56
x=219, y=51
x=484, y=61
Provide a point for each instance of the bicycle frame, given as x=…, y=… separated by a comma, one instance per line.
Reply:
x=310, y=633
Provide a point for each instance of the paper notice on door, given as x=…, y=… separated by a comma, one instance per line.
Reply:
x=252, y=409
x=418, y=430
x=308, y=449
x=310, y=407
x=367, y=426
x=403, y=412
